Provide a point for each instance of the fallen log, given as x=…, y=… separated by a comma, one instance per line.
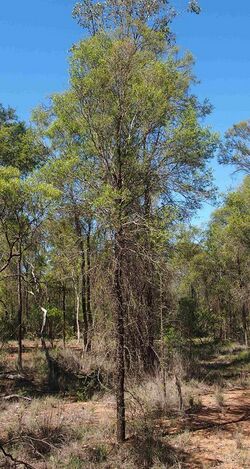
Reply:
x=11, y=376
x=14, y=397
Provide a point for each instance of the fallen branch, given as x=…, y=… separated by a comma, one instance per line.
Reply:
x=208, y=426
x=16, y=396
x=11, y=376
x=15, y=461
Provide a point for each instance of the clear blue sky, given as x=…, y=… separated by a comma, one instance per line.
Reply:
x=35, y=37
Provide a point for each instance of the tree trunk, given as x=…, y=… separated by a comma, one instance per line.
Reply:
x=162, y=358
x=244, y=323
x=64, y=314
x=120, y=335
x=83, y=296
x=88, y=288
x=20, y=310
x=83, y=282
x=244, y=306
x=150, y=354
x=179, y=391
x=120, y=305
x=77, y=312
x=150, y=358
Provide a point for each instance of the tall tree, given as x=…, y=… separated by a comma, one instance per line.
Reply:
x=130, y=117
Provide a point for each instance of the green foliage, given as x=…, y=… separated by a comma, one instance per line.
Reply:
x=19, y=145
x=54, y=313
x=125, y=18
x=235, y=149
x=119, y=160
x=214, y=292
x=107, y=73
x=194, y=7
x=173, y=339
x=75, y=462
x=6, y=326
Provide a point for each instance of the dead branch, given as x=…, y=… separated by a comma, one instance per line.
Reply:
x=16, y=396
x=17, y=462
x=11, y=376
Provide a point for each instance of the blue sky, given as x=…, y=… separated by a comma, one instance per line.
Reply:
x=35, y=37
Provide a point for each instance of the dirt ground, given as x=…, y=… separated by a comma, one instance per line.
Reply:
x=210, y=437
x=215, y=434
x=218, y=436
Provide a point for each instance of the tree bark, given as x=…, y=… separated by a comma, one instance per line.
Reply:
x=120, y=305
x=162, y=348
x=77, y=311
x=20, y=309
x=88, y=287
x=244, y=323
x=244, y=311
x=83, y=282
x=64, y=314
x=120, y=339
x=150, y=354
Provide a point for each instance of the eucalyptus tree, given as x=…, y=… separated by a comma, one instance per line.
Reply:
x=24, y=204
x=214, y=283
x=23, y=200
x=20, y=149
x=235, y=149
x=20, y=146
x=8, y=244
x=67, y=171
x=229, y=235
x=64, y=267
x=132, y=121
x=201, y=289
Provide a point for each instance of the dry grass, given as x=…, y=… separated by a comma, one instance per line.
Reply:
x=40, y=430
x=57, y=433
x=48, y=434
x=238, y=457
x=219, y=397
x=148, y=398
x=101, y=357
